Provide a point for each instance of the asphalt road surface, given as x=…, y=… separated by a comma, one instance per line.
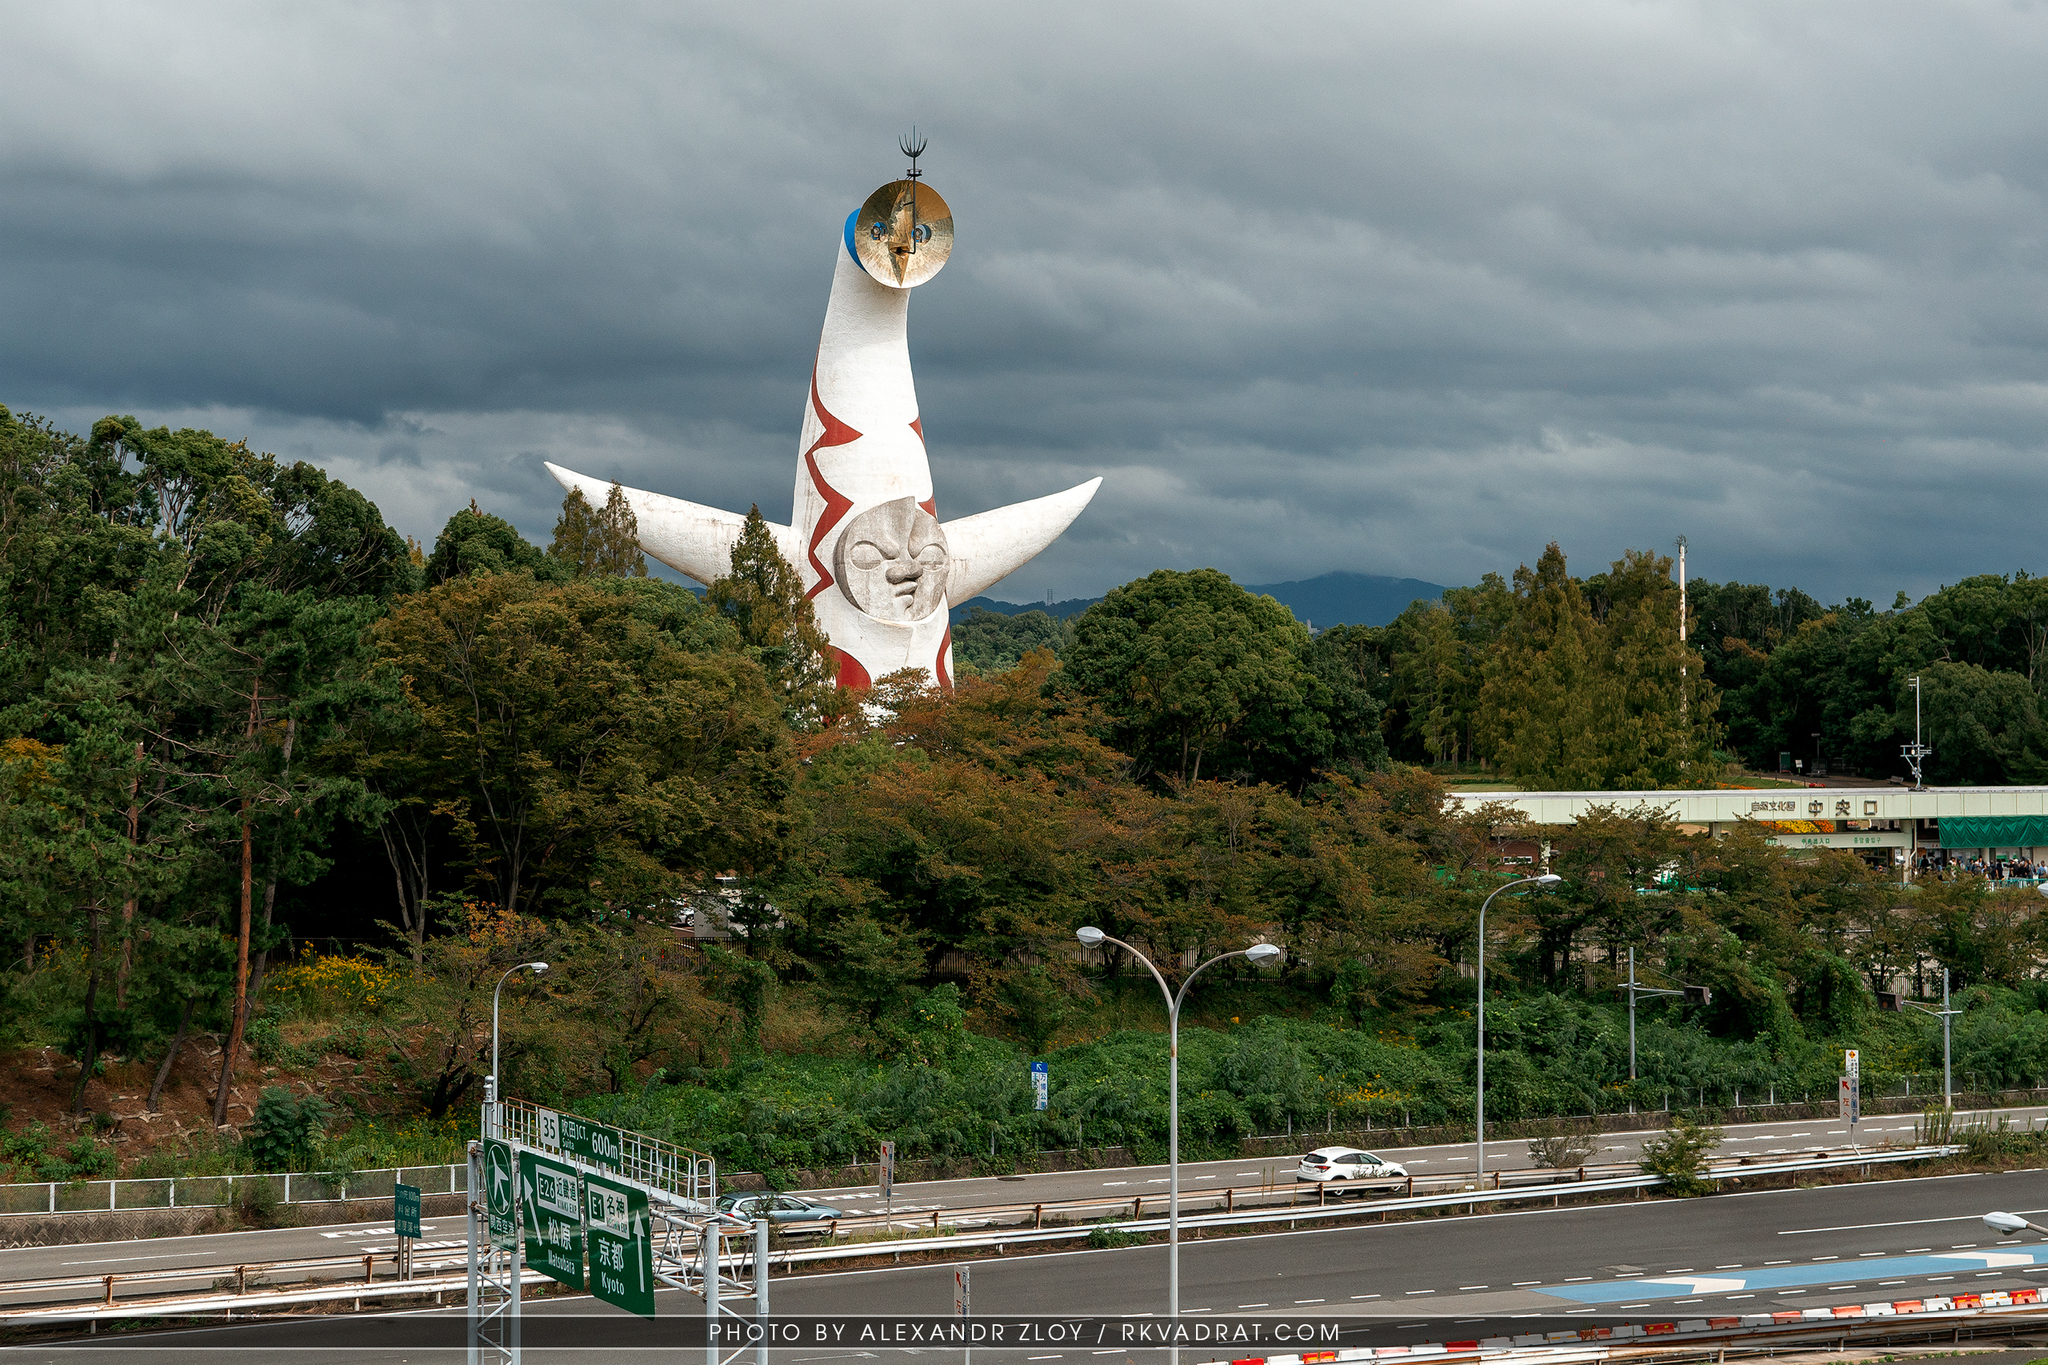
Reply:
x=443, y=1237
x=1759, y=1139
x=1647, y=1260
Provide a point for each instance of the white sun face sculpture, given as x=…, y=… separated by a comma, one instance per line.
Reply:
x=866, y=523
x=892, y=562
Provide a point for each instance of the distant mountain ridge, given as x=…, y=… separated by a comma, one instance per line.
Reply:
x=1338, y=598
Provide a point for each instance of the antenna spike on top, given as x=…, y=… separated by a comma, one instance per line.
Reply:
x=912, y=147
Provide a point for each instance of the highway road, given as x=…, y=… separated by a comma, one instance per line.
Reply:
x=1759, y=1139
x=1198, y=1182
x=1649, y=1260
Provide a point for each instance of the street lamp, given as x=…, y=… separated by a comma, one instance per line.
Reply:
x=491, y=1081
x=1258, y=952
x=1541, y=879
x=2007, y=1224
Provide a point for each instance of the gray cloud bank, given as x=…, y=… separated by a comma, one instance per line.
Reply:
x=1401, y=288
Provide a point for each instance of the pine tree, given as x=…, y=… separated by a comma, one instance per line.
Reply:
x=1575, y=701
x=764, y=598
x=618, y=538
x=590, y=541
x=576, y=534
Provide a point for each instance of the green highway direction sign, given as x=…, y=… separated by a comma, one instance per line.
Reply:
x=621, y=1245
x=593, y=1142
x=498, y=1173
x=405, y=1210
x=551, y=1207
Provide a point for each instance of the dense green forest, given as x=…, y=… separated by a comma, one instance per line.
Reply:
x=274, y=778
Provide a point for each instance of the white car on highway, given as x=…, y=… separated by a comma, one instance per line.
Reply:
x=1348, y=1163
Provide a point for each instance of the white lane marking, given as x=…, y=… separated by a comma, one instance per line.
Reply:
x=121, y=1260
x=1471, y=1286
x=1105, y=1184
x=1521, y=1283
x=1300, y=1301
x=1199, y=1177
x=1907, y=1223
x=1736, y=1266
x=1356, y=1297
x=1421, y=1291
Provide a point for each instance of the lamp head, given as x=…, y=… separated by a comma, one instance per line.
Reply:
x=2005, y=1224
x=536, y=967
x=1090, y=935
x=1263, y=952
x=1549, y=879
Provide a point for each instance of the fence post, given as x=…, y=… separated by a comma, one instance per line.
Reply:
x=174, y=1191
x=287, y=1187
x=112, y=1185
x=53, y=1196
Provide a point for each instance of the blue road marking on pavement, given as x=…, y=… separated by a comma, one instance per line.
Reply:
x=1788, y=1276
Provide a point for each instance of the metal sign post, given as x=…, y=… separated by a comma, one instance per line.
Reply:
x=889, y=1182
x=1852, y=1091
x=405, y=1222
x=494, y=1269
x=962, y=1302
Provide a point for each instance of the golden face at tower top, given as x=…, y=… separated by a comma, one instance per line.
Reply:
x=903, y=233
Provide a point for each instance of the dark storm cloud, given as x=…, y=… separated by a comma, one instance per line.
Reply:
x=1402, y=289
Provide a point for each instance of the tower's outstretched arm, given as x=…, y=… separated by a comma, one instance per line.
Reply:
x=687, y=536
x=990, y=546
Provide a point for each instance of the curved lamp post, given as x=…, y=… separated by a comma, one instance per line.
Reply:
x=2006, y=1224
x=1541, y=879
x=1258, y=952
x=491, y=1081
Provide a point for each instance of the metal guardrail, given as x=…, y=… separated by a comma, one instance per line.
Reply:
x=210, y=1298
x=1348, y=1210
x=689, y=1178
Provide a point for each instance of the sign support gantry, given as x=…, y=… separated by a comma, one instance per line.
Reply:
x=646, y=1209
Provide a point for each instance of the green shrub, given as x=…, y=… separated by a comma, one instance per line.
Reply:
x=1680, y=1156
x=285, y=1133
x=1107, y=1235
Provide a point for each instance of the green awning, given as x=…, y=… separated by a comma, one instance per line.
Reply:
x=1994, y=831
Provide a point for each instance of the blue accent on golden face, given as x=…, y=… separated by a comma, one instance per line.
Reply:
x=851, y=218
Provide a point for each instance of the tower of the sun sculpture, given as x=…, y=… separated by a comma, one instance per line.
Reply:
x=880, y=568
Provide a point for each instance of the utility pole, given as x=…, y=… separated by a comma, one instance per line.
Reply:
x=1681, y=633
x=1916, y=751
x=1947, y=1014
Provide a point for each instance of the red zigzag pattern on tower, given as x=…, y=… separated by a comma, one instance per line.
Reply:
x=836, y=433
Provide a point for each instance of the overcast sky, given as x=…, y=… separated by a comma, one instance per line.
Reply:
x=1402, y=288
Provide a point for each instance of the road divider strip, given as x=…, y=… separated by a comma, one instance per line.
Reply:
x=1789, y=1324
